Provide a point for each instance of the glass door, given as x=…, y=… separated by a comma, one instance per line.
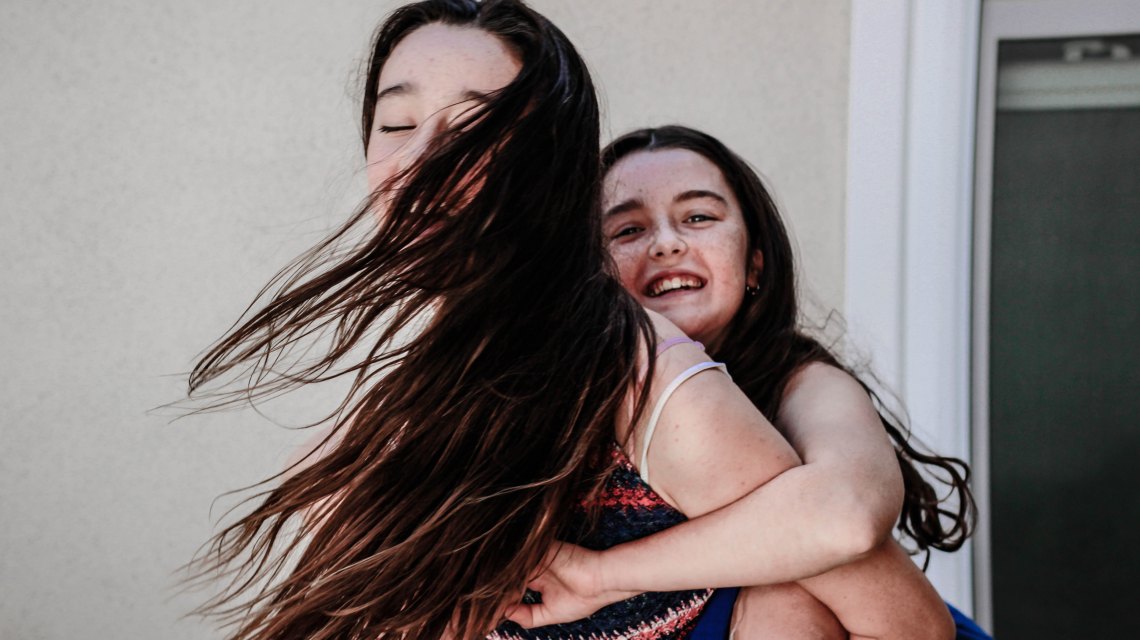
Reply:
x=1063, y=361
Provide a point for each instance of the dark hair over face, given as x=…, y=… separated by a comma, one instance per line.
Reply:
x=764, y=346
x=461, y=449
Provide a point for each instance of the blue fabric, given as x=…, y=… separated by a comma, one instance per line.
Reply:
x=716, y=620
x=966, y=629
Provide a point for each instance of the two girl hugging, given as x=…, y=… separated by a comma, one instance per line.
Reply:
x=581, y=403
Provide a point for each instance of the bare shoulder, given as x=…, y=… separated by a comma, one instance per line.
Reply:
x=705, y=441
x=825, y=404
x=831, y=421
x=815, y=374
x=819, y=381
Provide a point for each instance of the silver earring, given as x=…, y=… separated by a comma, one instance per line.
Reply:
x=752, y=291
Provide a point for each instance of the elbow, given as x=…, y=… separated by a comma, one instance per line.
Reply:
x=852, y=538
x=871, y=509
x=866, y=518
x=860, y=536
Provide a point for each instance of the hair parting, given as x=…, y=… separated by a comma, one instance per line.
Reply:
x=489, y=348
x=765, y=345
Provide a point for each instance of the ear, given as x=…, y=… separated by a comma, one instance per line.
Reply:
x=755, y=268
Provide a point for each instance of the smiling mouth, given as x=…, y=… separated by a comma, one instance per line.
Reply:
x=673, y=283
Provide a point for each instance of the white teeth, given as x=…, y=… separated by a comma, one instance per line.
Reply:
x=672, y=284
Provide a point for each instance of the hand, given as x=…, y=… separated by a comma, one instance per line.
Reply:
x=571, y=586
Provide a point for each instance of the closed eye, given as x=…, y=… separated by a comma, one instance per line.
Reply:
x=391, y=129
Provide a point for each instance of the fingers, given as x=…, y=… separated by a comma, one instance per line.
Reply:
x=528, y=613
x=538, y=583
x=529, y=616
x=544, y=580
x=521, y=615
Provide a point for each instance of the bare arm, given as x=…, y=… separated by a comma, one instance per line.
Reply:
x=831, y=422
x=837, y=507
x=884, y=596
x=848, y=494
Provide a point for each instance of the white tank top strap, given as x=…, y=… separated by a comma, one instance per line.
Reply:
x=651, y=426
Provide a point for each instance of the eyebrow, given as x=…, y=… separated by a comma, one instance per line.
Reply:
x=622, y=207
x=636, y=203
x=694, y=194
x=400, y=89
x=408, y=88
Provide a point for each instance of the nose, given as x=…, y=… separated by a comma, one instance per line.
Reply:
x=415, y=147
x=667, y=242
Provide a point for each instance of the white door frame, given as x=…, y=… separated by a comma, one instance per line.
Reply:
x=917, y=269
x=909, y=197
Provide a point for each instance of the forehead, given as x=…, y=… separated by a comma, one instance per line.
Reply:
x=446, y=61
x=661, y=174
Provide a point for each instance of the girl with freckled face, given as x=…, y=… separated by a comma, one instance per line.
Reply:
x=696, y=237
x=679, y=239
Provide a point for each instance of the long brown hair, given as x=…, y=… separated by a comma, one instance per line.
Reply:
x=462, y=448
x=765, y=345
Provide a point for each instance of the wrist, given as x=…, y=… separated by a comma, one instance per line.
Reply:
x=607, y=578
x=600, y=580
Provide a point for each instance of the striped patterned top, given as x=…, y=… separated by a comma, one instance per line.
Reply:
x=628, y=509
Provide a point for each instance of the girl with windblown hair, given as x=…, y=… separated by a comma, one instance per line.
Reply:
x=502, y=381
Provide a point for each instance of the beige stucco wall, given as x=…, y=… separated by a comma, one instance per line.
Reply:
x=769, y=78
x=161, y=159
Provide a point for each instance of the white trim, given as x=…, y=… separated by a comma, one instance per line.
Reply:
x=911, y=127
x=1011, y=20
x=936, y=246
x=875, y=161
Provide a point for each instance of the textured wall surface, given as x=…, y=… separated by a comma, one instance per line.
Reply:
x=161, y=160
x=769, y=78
